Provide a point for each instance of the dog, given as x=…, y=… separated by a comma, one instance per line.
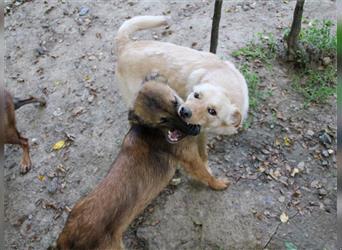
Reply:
x=215, y=91
x=11, y=134
x=157, y=141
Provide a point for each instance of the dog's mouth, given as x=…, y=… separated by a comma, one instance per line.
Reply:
x=175, y=135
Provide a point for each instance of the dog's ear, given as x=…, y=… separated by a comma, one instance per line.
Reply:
x=132, y=117
x=236, y=118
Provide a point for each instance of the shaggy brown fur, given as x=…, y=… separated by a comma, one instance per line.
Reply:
x=142, y=169
x=11, y=134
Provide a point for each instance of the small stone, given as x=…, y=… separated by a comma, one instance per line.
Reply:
x=20, y=80
x=155, y=37
x=322, y=192
x=52, y=186
x=175, y=181
x=34, y=141
x=315, y=184
x=330, y=151
x=83, y=11
x=310, y=133
x=326, y=61
x=265, y=151
x=325, y=138
x=245, y=7
x=324, y=163
x=301, y=165
x=90, y=98
x=325, y=153
x=30, y=217
x=281, y=199
x=57, y=112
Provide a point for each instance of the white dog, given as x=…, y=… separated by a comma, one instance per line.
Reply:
x=216, y=92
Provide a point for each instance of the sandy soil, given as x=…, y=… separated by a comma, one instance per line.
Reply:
x=54, y=52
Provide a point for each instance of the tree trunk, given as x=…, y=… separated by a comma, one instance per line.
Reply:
x=292, y=39
x=215, y=26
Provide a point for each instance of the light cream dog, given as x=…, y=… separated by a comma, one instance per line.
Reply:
x=216, y=92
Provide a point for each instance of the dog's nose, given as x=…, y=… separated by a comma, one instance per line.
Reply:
x=185, y=112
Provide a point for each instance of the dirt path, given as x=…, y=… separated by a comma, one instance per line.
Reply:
x=53, y=51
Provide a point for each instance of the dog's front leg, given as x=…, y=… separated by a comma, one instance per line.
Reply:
x=202, y=146
x=200, y=170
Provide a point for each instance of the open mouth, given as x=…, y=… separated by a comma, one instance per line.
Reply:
x=175, y=135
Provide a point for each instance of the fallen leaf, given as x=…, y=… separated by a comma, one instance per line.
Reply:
x=284, y=217
x=287, y=141
x=294, y=172
x=58, y=145
x=41, y=177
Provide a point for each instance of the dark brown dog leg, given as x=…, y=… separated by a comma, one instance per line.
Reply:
x=200, y=171
x=14, y=137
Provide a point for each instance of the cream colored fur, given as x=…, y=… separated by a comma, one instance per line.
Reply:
x=220, y=84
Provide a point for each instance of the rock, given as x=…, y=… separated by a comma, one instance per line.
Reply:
x=52, y=186
x=83, y=11
x=315, y=184
x=300, y=166
x=57, y=112
x=330, y=151
x=34, y=141
x=326, y=61
x=281, y=199
x=325, y=153
x=310, y=133
x=39, y=52
x=324, y=163
x=325, y=138
x=175, y=181
x=265, y=151
x=322, y=192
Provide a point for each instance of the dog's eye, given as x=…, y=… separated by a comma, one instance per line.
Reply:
x=212, y=111
x=163, y=120
x=196, y=95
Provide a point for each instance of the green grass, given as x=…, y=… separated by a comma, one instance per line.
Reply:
x=316, y=86
x=263, y=48
x=314, y=82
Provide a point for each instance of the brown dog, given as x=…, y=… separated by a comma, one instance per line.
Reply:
x=157, y=140
x=11, y=134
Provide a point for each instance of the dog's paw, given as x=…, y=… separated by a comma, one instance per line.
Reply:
x=25, y=166
x=220, y=184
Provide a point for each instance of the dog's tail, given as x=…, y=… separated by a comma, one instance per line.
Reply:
x=135, y=24
x=21, y=102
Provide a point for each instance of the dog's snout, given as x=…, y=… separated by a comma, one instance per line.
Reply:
x=185, y=112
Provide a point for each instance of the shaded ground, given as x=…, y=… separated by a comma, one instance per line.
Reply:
x=53, y=51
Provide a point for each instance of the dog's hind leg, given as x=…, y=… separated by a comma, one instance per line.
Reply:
x=13, y=137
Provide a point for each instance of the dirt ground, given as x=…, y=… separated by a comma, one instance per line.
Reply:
x=53, y=51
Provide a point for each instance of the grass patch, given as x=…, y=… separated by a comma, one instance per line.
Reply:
x=314, y=76
x=316, y=86
x=262, y=48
